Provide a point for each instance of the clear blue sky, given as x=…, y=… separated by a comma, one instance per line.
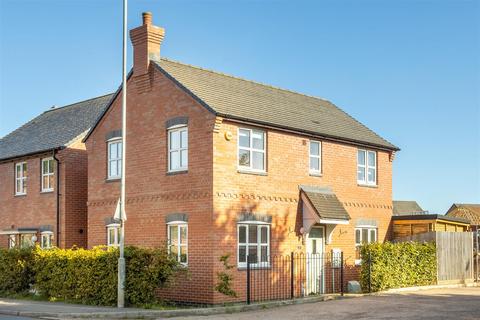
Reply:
x=409, y=70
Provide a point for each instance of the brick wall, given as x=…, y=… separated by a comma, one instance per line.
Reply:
x=277, y=194
x=152, y=194
x=38, y=208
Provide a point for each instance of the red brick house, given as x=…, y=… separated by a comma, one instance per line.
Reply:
x=43, y=178
x=221, y=165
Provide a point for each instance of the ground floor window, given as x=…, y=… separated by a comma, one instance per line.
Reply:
x=46, y=240
x=27, y=240
x=178, y=241
x=364, y=234
x=113, y=235
x=254, y=243
x=12, y=241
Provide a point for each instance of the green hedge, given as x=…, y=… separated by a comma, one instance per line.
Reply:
x=397, y=265
x=16, y=273
x=87, y=276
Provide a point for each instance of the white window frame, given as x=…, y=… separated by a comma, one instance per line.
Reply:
x=30, y=244
x=22, y=179
x=12, y=241
x=180, y=129
x=369, y=238
x=116, y=238
x=118, y=159
x=258, y=244
x=319, y=157
x=46, y=235
x=178, y=224
x=251, y=149
x=365, y=180
x=48, y=174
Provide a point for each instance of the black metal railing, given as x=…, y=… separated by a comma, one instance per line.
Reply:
x=295, y=275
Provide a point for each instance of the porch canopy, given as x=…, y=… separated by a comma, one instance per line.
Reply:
x=321, y=205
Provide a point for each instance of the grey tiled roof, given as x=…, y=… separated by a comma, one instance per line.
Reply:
x=401, y=208
x=241, y=99
x=54, y=128
x=325, y=203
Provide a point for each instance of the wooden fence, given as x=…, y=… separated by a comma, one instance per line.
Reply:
x=455, y=262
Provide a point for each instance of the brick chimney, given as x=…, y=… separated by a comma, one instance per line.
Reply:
x=146, y=41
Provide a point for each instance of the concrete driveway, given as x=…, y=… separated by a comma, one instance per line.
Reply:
x=457, y=303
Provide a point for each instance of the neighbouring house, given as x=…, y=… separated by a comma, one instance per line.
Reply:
x=402, y=208
x=43, y=178
x=221, y=165
x=408, y=225
x=470, y=212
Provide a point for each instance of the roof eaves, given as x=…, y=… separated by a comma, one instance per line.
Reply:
x=10, y=158
x=311, y=133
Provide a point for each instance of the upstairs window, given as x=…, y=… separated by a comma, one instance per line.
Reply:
x=315, y=157
x=178, y=149
x=251, y=149
x=178, y=241
x=113, y=235
x=254, y=244
x=115, y=159
x=21, y=178
x=47, y=175
x=366, y=167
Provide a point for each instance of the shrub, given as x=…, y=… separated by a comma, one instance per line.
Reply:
x=396, y=265
x=225, y=279
x=86, y=276
x=16, y=274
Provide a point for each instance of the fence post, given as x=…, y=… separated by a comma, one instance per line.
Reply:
x=369, y=272
x=341, y=273
x=248, y=279
x=291, y=275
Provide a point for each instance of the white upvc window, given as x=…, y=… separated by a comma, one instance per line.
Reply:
x=27, y=240
x=366, y=167
x=12, y=241
x=254, y=244
x=178, y=148
x=251, y=149
x=363, y=234
x=46, y=239
x=178, y=241
x=114, y=159
x=113, y=235
x=315, y=157
x=21, y=178
x=47, y=174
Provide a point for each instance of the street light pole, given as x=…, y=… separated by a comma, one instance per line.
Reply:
x=121, y=259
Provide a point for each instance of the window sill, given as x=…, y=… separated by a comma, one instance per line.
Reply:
x=172, y=173
x=315, y=174
x=244, y=268
x=20, y=195
x=367, y=185
x=108, y=180
x=46, y=191
x=257, y=173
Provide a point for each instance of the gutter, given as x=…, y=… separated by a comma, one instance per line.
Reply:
x=58, y=196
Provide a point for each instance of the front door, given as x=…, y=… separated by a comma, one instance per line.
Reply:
x=315, y=261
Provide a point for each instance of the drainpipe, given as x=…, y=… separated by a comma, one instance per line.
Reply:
x=58, y=196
